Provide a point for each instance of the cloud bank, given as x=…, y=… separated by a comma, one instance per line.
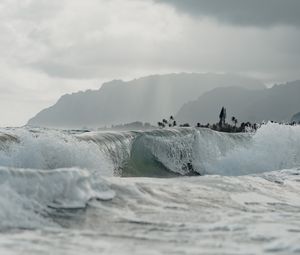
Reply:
x=258, y=13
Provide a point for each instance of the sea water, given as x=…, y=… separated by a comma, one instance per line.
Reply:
x=176, y=191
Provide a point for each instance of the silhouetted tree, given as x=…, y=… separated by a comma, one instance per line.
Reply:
x=234, y=120
x=185, y=125
x=222, y=117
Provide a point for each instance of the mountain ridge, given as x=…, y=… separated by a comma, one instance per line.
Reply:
x=147, y=99
x=277, y=103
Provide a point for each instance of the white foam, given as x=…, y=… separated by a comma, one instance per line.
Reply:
x=272, y=147
x=27, y=194
x=50, y=149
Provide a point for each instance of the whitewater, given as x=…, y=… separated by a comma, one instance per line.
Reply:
x=171, y=191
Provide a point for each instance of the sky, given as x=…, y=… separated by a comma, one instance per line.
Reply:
x=49, y=48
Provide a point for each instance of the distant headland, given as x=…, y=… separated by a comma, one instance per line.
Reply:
x=186, y=96
x=222, y=125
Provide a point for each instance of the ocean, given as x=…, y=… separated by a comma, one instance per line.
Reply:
x=172, y=191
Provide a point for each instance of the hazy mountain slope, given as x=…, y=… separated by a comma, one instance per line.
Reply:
x=296, y=117
x=277, y=103
x=146, y=99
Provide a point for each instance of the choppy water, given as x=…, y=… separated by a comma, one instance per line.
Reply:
x=65, y=192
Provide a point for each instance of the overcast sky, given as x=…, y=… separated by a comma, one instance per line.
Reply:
x=49, y=48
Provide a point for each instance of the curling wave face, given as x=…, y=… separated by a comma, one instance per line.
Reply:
x=190, y=151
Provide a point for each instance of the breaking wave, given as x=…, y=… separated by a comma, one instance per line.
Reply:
x=182, y=151
x=190, y=151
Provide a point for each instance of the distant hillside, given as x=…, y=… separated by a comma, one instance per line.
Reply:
x=296, y=117
x=147, y=99
x=277, y=103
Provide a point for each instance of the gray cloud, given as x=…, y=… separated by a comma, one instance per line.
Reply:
x=260, y=13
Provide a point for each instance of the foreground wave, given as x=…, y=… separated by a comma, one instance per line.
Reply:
x=214, y=214
x=29, y=195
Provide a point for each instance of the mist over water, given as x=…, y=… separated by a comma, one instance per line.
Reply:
x=272, y=147
x=72, y=184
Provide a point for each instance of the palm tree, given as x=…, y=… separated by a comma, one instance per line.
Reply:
x=222, y=117
x=234, y=120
